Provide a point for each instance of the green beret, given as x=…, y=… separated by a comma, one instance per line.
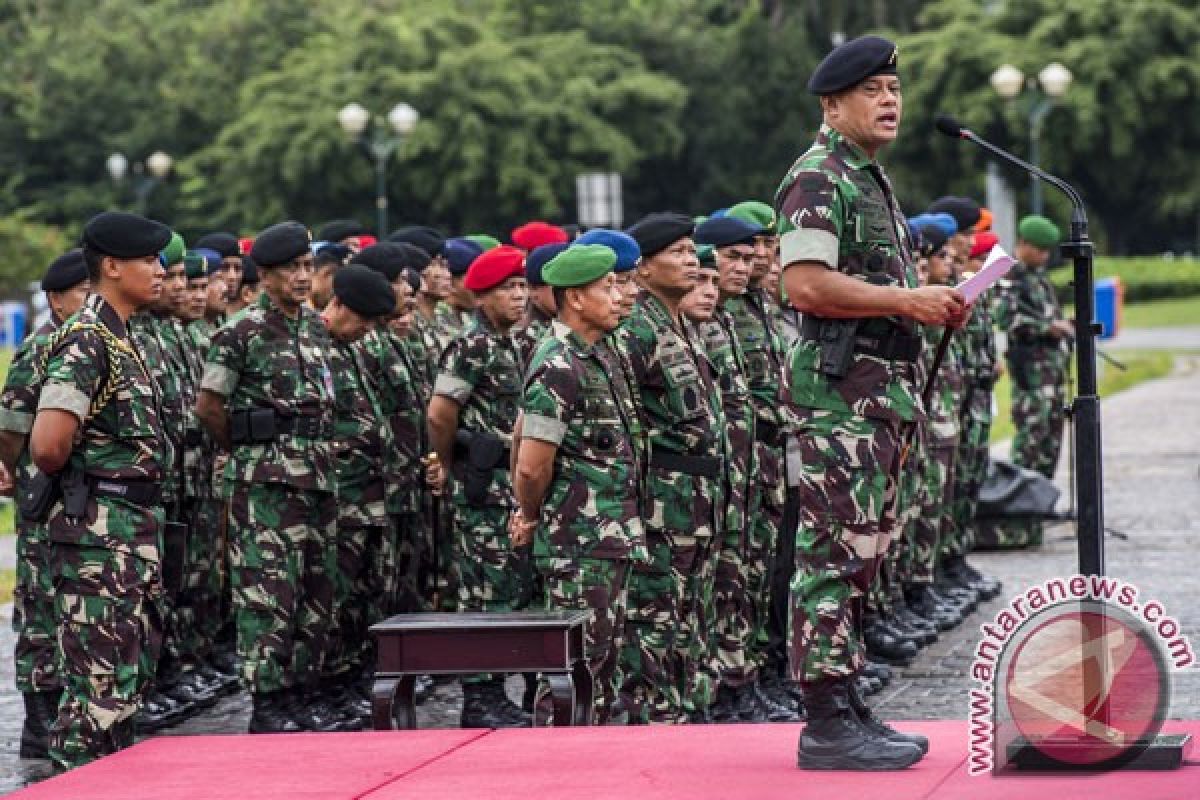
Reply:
x=579, y=265
x=172, y=254
x=755, y=212
x=1039, y=232
x=706, y=254
x=483, y=240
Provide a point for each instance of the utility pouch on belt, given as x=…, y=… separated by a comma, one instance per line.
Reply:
x=174, y=556
x=38, y=496
x=75, y=493
x=253, y=426
x=836, y=340
x=484, y=452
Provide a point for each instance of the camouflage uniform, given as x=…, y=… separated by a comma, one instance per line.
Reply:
x=483, y=372
x=1037, y=362
x=539, y=324
x=425, y=349
x=283, y=510
x=33, y=594
x=364, y=568
x=731, y=608
x=680, y=411
x=105, y=565
x=591, y=525
x=850, y=430
x=976, y=348
x=757, y=326
x=450, y=324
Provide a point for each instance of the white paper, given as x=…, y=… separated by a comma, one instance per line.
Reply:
x=995, y=267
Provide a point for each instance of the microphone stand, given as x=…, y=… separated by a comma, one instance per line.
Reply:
x=1160, y=751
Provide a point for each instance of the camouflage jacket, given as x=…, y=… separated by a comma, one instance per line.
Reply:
x=199, y=449
x=845, y=216
x=450, y=323
x=729, y=366
x=754, y=325
x=361, y=435
x=426, y=350
x=976, y=343
x=1025, y=309
x=262, y=358
x=95, y=372
x=389, y=361
x=943, y=420
x=483, y=371
x=591, y=509
x=680, y=410
x=155, y=340
x=538, y=325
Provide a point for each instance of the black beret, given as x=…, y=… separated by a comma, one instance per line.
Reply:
x=428, y=239
x=414, y=257
x=386, y=258
x=363, y=290
x=964, y=210
x=250, y=275
x=724, y=231
x=66, y=271
x=280, y=244
x=224, y=243
x=340, y=229
x=852, y=63
x=658, y=231
x=933, y=239
x=123, y=235
x=332, y=254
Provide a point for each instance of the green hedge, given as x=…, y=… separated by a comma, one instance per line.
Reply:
x=1144, y=278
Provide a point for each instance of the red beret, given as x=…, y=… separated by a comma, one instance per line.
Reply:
x=984, y=242
x=534, y=234
x=365, y=240
x=245, y=243
x=494, y=267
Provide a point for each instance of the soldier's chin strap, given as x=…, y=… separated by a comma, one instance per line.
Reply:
x=927, y=390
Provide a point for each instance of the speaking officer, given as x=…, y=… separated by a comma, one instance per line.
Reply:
x=99, y=438
x=854, y=380
x=267, y=396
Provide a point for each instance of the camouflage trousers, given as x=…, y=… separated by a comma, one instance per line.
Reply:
x=733, y=615
x=760, y=563
x=282, y=558
x=364, y=577
x=970, y=469
x=660, y=627
x=33, y=617
x=108, y=614
x=934, y=524
x=1038, y=416
x=410, y=532
x=602, y=585
x=701, y=674
x=888, y=587
x=196, y=614
x=483, y=568
x=847, y=516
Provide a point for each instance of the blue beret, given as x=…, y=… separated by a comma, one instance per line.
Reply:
x=460, y=254
x=724, y=231
x=658, y=231
x=624, y=245
x=280, y=244
x=943, y=221
x=364, y=291
x=123, y=235
x=852, y=63
x=538, y=257
x=65, y=272
x=224, y=243
x=212, y=259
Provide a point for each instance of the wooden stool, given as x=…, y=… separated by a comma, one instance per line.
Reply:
x=549, y=642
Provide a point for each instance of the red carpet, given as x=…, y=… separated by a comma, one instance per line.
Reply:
x=692, y=762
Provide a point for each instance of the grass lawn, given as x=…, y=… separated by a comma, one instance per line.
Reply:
x=1163, y=313
x=1143, y=365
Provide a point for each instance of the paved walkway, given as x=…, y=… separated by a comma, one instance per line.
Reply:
x=1181, y=338
x=1152, y=494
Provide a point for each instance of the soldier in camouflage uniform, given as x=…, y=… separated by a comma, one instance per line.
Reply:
x=471, y=419
x=679, y=409
x=855, y=384
x=66, y=285
x=455, y=313
x=576, y=479
x=1038, y=348
x=364, y=567
x=267, y=395
x=541, y=295
x=98, y=435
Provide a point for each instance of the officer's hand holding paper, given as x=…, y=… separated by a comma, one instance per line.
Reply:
x=995, y=267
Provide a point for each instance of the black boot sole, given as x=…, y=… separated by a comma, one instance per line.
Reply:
x=838, y=760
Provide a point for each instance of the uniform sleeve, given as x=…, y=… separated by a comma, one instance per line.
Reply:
x=19, y=398
x=550, y=394
x=461, y=370
x=814, y=207
x=226, y=358
x=75, y=372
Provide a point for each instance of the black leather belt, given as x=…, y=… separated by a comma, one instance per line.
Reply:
x=701, y=466
x=876, y=337
x=140, y=493
x=307, y=427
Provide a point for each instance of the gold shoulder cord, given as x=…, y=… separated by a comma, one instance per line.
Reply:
x=113, y=348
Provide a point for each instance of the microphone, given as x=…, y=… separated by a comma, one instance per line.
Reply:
x=950, y=127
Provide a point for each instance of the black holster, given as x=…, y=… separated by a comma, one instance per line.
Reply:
x=836, y=341
x=252, y=426
x=483, y=452
x=174, y=556
x=38, y=496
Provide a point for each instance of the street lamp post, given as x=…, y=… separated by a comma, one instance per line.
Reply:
x=1043, y=93
x=380, y=145
x=157, y=165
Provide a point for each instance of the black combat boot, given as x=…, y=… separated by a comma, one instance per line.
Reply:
x=834, y=739
x=775, y=710
x=271, y=714
x=314, y=710
x=41, y=708
x=887, y=647
x=923, y=602
x=880, y=728
x=722, y=710
x=505, y=708
x=479, y=711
